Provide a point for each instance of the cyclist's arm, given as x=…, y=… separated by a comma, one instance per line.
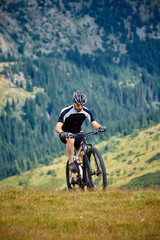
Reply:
x=95, y=125
x=58, y=127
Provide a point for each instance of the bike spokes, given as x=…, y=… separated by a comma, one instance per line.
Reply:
x=99, y=177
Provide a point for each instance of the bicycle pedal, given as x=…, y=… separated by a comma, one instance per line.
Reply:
x=74, y=171
x=74, y=182
x=86, y=183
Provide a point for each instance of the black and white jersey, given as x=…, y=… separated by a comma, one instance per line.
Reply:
x=72, y=120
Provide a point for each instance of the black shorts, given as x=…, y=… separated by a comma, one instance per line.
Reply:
x=77, y=142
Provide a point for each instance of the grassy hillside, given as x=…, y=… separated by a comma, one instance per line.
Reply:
x=133, y=156
x=126, y=159
x=49, y=49
x=9, y=90
x=112, y=214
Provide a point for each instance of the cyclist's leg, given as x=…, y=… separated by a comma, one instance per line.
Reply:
x=70, y=148
x=78, y=140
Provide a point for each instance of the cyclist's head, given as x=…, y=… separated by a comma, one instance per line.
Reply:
x=79, y=98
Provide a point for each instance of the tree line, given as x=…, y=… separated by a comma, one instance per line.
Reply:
x=123, y=96
x=27, y=136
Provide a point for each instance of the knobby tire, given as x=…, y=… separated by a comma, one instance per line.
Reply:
x=96, y=181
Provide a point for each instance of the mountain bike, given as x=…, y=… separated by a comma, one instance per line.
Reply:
x=91, y=171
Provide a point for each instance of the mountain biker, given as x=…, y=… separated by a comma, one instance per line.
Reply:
x=70, y=121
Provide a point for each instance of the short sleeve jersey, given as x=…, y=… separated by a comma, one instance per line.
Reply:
x=72, y=120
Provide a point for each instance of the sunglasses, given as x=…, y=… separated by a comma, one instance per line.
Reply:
x=77, y=105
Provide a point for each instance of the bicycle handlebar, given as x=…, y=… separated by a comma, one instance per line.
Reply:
x=83, y=134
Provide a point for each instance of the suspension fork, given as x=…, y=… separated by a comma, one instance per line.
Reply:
x=98, y=172
x=87, y=162
x=97, y=164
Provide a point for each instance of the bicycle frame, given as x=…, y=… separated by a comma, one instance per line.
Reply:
x=83, y=147
x=86, y=163
x=85, y=171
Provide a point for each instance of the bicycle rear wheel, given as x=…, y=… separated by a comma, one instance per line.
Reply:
x=73, y=179
x=98, y=179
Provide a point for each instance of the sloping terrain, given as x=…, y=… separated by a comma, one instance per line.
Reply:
x=32, y=28
x=9, y=91
x=133, y=156
x=125, y=158
x=48, y=49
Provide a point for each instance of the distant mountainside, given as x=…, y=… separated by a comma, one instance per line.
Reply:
x=33, y=28
x=50, y=48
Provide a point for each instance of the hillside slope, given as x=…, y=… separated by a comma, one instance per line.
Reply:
x=126, y=159
x=32, y=28
x=48, y=49
x=133, y=156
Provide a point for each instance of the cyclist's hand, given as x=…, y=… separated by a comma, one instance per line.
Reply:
x=64, y=135
x=102, y=129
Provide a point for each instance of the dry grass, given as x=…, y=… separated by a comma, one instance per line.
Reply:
x=113, y=214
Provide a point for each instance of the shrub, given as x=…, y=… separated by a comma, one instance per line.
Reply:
x=52, y=172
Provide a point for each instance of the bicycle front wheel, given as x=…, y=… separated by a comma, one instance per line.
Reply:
x=98, y=175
